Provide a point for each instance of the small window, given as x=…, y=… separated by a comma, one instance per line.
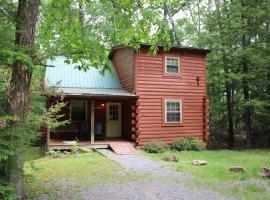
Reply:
x=113, y=112
x=172, y=65
x=78, y=111
x=173, y=111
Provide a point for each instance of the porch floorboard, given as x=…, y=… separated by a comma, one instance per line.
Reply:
x=58, y=144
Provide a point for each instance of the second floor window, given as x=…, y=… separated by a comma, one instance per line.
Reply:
x=172, y=65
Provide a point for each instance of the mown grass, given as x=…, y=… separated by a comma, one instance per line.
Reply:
x=46, y=175
x=216, y=173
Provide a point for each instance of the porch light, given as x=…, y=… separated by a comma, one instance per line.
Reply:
x=102, y=105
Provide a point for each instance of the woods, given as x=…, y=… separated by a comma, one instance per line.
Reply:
x=238, y=69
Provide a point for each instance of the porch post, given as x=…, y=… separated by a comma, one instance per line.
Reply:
x=47, y=137
x=92, y=121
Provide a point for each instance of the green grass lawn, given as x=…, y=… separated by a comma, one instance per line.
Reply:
x=46, y=175
x=216, y=173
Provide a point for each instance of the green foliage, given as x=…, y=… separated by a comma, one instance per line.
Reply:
x=155, y=147
x=186, y=144
x=6, y=192
x=85, y=150
x=54, y=153
x=86, y=30
x=236, y=31
x=75, y=148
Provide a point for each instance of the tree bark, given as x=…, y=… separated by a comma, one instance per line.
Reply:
x=26, y=20
x=245, y=43
x=247, y=111
x=228, y=85
x=173, y=29
x=229, y=102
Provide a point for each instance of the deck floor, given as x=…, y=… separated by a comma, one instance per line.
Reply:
x=58, y=144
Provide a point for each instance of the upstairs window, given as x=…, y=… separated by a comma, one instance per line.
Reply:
x=78, y=111
x=172, y=65
x=173, y=111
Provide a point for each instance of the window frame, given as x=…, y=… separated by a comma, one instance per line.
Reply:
x=165, y=65
x=173, y=99
x=70, y=109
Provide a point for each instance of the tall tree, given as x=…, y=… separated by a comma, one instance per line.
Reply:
x=18, y=101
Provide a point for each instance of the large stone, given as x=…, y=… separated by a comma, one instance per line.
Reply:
x=199, y=162
x=265, y=172
x=171, y=158
x=237, y=169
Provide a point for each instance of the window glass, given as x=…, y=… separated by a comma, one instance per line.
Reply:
x=113, y=112
x=172, y=65
x=173, y=111
x=78, y=111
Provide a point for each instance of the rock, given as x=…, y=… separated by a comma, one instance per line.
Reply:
x=265, y=172
x=237, y=169
x=171, y=158
x=199, y=162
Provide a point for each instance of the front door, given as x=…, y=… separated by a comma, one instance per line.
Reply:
x=113, y=120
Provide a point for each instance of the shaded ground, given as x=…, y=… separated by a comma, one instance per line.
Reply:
x=216, y=175
x=159, y=182
x=93, y=176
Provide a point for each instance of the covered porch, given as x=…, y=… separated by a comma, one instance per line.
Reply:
x=99, y=109
x=95, y=122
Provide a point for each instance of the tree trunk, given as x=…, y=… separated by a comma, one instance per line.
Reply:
x=229, y=101
x=245, y=44
x=20, y=86
x=173, y=29
x=247, y=111
x=228, y=85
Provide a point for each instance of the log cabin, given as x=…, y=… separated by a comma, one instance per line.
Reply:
x=145, y=97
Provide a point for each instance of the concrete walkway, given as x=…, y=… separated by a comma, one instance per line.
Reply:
x=165, y=184
x=136, y=163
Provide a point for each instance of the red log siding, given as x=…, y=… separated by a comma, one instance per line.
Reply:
x=153, y=86
x=123, y=59
x=127, y=120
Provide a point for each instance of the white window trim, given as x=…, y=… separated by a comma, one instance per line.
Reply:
x=181, y=112
x=70, y=109
x=178, y=61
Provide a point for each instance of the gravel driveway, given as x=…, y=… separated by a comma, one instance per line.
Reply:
x=164, y=184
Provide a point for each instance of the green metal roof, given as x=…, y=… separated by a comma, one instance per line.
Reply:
x=72, y=81
x=64, y=75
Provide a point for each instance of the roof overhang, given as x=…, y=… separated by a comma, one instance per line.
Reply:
x=92, y=92
x=147, y=45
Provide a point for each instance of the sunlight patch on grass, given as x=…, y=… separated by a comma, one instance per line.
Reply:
x=216, y=173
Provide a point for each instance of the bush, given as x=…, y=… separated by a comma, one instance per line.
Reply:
x=186, y=144
x=54, y=153
x=85, y=150
x=155, y=147
x=75, y=148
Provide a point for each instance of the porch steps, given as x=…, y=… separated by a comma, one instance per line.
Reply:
x=125, y=148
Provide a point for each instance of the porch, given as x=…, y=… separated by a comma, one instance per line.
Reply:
x=95, y=122
x=99, y=109
x=59, y=145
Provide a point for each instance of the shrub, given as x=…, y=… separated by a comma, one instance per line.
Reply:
x=186, y=144
x=85, y=150
x=155, y=147
x=54, y=153
x=75, y=148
